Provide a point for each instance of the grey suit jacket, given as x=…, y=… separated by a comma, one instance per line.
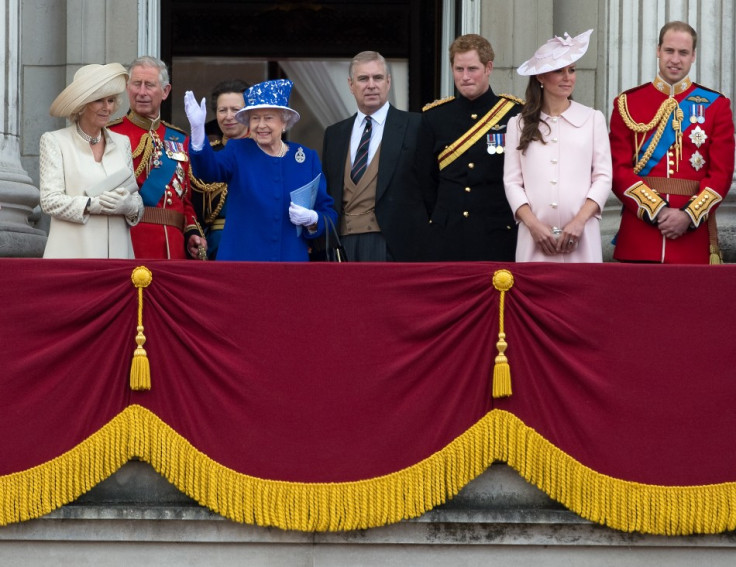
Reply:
x=400, y=211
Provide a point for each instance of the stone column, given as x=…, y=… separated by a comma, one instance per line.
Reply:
x=18, y=196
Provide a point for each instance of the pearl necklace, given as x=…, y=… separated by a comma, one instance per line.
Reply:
x=86, y=137
x=282, y=151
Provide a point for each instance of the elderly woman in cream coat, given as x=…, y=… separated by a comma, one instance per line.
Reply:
x=86, y=172
x=557, y=169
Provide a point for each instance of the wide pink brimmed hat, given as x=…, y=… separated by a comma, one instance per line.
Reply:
x=91, y=82
x=556, y=53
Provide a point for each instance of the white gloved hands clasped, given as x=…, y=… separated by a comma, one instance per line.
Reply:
x=301, y=216
x=94, y=207
x=197, y=115
x=118, y=202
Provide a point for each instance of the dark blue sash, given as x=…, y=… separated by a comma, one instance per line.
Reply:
x=668, y=136
x=154, y=186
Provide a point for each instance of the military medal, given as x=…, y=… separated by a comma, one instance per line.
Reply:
x=697, y=161
x=697, y=114
x=495, y=143
x=179, y=180
x=491, y=144
x=698, y=136
x=300, y=156
x=156, y=155
x=175, y=150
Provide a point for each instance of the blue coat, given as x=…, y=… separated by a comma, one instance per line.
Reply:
x=258, y=226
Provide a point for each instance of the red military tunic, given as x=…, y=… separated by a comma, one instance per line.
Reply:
x=695, y=180
x=161, y=161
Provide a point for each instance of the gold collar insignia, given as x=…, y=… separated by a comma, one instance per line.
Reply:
x=671, y=90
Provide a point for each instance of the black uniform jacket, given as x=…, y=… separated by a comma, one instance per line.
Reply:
x=470, y=217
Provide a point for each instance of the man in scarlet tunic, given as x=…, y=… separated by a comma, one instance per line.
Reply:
x=161, y=160
x=672, y=143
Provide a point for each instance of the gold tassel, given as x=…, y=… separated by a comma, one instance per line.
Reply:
x=715, y=255
x=140, y=371
x=503, y=281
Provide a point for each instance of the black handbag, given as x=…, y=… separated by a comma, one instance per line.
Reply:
x=334, y=251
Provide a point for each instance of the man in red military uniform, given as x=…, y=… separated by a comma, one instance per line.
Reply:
x=672, y=143
x=161, y=159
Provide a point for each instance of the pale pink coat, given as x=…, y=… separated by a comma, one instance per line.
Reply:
x=556, y=178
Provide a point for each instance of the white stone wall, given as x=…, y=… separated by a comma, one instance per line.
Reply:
x=58, y=38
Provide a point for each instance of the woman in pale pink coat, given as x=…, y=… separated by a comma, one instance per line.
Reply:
x=557, y=169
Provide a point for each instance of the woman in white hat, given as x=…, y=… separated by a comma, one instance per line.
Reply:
x=263, y=172
x=557, y=170
x=86, y=172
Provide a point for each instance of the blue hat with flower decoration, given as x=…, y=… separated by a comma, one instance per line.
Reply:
x=269, y=94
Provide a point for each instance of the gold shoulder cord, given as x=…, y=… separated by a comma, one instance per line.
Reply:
x=145, y=147
x=209, y=192
x=437, y=103
x=660, y=120
x=516, y=99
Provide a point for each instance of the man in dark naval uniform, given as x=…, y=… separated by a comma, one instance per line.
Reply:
x=460, y=160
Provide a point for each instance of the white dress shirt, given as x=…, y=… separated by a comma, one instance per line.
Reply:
x=379, y=121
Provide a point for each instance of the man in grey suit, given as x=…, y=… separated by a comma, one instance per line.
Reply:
x=368, y=161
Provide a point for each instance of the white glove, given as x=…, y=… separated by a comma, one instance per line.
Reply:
x=302, y=216
x=94, y=207
x=197, y=114
x=118, y=202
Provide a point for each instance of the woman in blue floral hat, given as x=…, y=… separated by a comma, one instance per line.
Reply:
x=265, y=176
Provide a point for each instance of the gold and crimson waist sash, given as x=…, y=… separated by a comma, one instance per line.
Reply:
x=461, y=145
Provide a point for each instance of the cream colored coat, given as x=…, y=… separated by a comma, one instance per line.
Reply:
x=67, y=168
x=556, y=178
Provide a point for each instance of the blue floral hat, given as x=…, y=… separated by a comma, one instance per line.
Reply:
x=270, y=94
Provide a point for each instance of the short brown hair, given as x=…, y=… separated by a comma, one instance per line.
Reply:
x=678, y=26
x=470, y=42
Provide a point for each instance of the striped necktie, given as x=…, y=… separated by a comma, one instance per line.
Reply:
x=361, y=156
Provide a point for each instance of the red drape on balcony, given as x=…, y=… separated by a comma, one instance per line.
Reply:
x=328, y=396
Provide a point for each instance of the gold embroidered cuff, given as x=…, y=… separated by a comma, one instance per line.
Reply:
x=648, y=200
x=700, y=205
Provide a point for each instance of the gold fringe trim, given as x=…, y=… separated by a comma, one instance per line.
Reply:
x=618, y=504
x=408, y=493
